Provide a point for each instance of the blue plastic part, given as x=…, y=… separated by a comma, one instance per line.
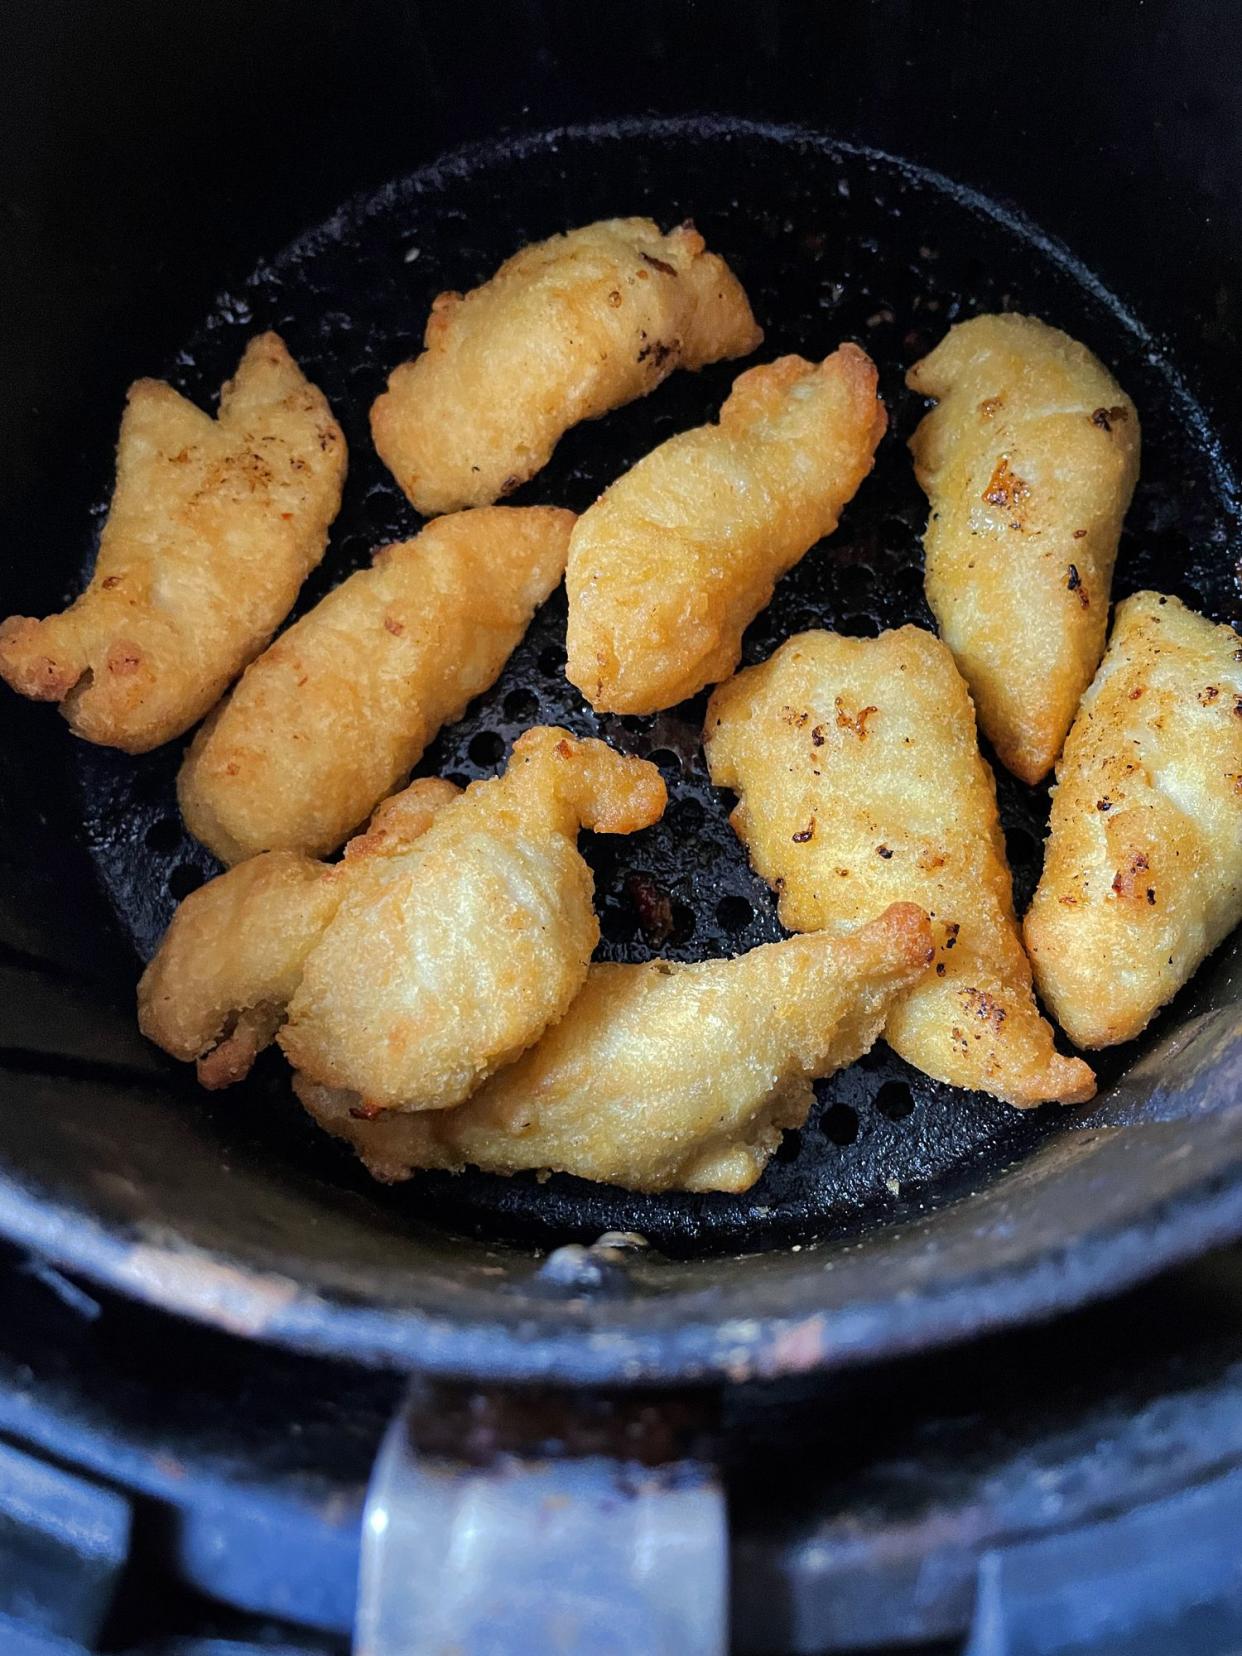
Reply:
x=1162, y=1580
x=63, y=1542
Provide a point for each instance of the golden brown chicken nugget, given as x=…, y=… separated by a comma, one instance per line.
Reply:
x=213, y=527
x=337, y=712
x=664, y=1076
x=861, y=784
x=217, y=987
x=1143, y=868
x=564, y=331
x=675, y=560
x=1029, y=460
x=449, y=960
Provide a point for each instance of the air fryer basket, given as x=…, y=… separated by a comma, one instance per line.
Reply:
x=905, y=1210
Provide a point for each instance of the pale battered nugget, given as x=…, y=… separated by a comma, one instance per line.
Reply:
x=1029, y=461
x=564, y=331
x=337, y=712
x=1143, y=868
x=862, y=784
x=213, y=527
x=455, y=956
x=217, y=987
x=675, y=560
x=664, y=1076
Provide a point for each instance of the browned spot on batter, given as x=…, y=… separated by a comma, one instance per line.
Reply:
x=982, y=1005
x=657, y=264
x=1125, y=881
x=1105, y=418
x=392, y=625
x=856, y=722
x=989, y=406
x=1005, y=488
x=124, y=659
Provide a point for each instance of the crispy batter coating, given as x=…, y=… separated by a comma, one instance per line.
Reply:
x=861, y=784
x=665, y=1076
x=226, y=969
x=675, y=560
x=447, y=962
x=1029, y=461
x=213, y=527
x=1143, y=867
x=337, y=712
x=564, y=331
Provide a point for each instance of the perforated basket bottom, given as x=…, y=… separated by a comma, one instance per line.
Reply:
x=832, y=243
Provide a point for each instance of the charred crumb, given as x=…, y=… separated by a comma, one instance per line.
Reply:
x=804, y=834
x=658, y=264
x=652, y=905
x=1103, y=804
x=883, y=851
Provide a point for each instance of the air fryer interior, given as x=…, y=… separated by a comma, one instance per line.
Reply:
x=904, y=1210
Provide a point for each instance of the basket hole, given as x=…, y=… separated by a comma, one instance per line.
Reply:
x=789, y=1148
x=184, y=879
x=839, y=1124
x=552, y=661
x=853, y=584
x=860, y=626
x=487, y=748
x=686, y=816
x=894, y=1100
x=521, y=706
x=734, y=914
x=164, y=836
x=683, y=924
x=665, y=758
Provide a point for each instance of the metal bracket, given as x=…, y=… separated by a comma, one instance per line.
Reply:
x=536, y=1524
x=1162, y=1580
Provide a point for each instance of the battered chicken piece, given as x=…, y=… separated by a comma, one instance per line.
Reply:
x=861, y=784
x=213, y=527
x=340, y=708
x=1029, y=461
x=450, y=960
x=564, y=331
x=675, y=560
x=217, y=988
x=1143, y=868
x=664, y=1076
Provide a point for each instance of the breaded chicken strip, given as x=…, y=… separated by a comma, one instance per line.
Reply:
x=861, y=784
x=217, y=988
x=1029, y=461
x=675, y=560
x=337, y=712
x=213, y=527
x=1143, y=868
x=448, y=961
x=564, y=331
x=664, y=1076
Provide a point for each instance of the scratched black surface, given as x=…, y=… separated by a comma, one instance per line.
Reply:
x=832, y=243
